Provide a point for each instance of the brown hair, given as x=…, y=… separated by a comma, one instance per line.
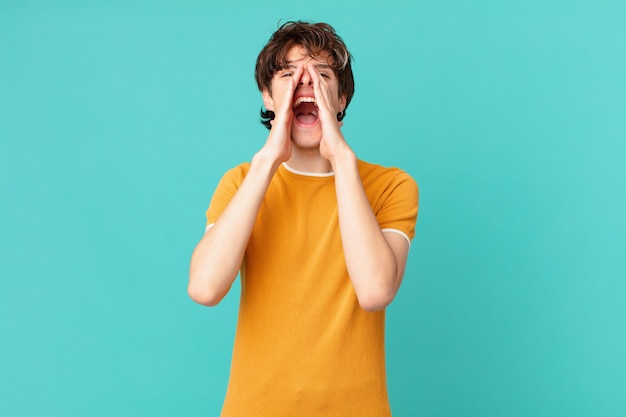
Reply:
x=315, y=38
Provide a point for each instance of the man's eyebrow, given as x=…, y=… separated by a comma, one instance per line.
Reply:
x=290, y=65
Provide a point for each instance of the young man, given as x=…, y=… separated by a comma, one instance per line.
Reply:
x=321, y=240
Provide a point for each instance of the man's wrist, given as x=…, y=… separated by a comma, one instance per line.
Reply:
x=345, y=158
x=264, y=162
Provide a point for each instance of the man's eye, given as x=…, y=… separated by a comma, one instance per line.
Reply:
x=323, y=74
x=287, y=74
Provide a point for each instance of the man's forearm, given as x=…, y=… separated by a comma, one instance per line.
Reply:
x=370, y=260
x=217, y=257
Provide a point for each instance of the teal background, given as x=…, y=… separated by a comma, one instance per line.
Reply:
x=117, y=119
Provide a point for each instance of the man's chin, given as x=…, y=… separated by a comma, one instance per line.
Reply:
x=308, y=138
x=306, y=142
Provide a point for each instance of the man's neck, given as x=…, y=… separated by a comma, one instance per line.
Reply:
x=309, y=160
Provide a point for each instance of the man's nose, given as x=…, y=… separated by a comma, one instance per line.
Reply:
x=306, y=78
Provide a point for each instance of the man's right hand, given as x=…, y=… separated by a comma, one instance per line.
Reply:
x=278, y=145
x=218, y=256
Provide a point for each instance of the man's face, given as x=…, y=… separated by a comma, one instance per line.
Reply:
x=305, y=128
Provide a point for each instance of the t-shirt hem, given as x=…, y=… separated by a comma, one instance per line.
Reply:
x=400, y=232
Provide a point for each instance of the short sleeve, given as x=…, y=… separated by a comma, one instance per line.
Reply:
x=226, y=189
x=398, y=210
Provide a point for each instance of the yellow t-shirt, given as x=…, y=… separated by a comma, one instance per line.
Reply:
x=303, y=345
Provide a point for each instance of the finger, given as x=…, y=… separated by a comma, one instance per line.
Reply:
x=315, y=75
x=291, y=88
x=317, y=90
x=320, y=89
x=296, y=77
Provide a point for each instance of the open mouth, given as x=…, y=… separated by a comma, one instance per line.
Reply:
x=305, y=110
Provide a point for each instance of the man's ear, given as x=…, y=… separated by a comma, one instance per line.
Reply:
x=342, y=102
x=267, y=100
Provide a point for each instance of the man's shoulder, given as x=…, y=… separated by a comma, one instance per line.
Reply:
x=393, y=195
x=238, y=172
x=242, y=167
x=376, y=173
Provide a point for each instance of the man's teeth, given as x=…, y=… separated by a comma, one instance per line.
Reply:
x=303, y=100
